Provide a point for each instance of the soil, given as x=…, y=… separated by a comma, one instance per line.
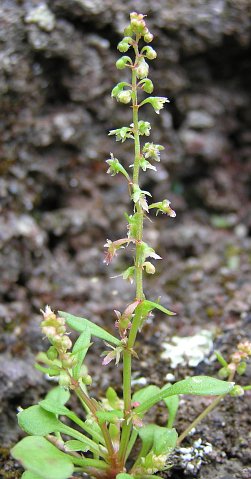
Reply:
x=58, y=205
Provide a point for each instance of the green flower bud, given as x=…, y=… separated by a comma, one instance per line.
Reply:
x=237, y=391
x=148, y=86
x=64, y=379
x=123, y=62
x=128, y=30
x=241, y=368
x=52, y=353
x=68, y=361
x=142, y=69
x=87, y=380
x=223, y=373
x=150, y=269
x=149, y=52
x=124, y=96
x=124, y=45
x=148, y=37
x=63, y=342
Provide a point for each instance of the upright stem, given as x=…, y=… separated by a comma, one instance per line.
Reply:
x=127, y=357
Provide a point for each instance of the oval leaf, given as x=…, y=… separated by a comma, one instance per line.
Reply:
x=30, y=475
x=197, y=385
x=42, y=459
x=35, y=420
x=58, y=395
x=74, y=445
x=79, y=324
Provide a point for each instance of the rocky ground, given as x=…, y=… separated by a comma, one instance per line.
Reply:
x=58, y=205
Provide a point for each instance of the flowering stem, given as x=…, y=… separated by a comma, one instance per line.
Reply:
x=127, y=357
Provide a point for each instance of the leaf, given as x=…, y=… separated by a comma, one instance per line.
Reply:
x=109, y=416
x=161, y=439
x=124, y=475
x=153, y=305
x=172, y=404
x=74, y=445
x=80, y=349
x=43, y=459
x=79, y=324
x=55, y=408
x=112, y=397
x=196, y=385
x=165, y=440
x=30, y=475
x=146, y=434
x=35, y=420
x=145, y=393
x=58, y=395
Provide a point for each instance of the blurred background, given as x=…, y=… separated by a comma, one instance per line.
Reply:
x=58, y=205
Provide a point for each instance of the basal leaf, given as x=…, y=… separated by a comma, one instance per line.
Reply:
x=55, y=408
x=30, y=475
x=80, y=349
x=42, y=459
x=74, y=445
x=36, y=421
x=79, y=324
x=164, y=440
x=146, y=434
x=197, y=385
x=58, y=395
x=64, y=411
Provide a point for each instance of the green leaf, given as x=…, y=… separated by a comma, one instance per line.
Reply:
x=80, y=349
x=58, y=395
x=30, y=475
x=153, y=305
x=54, y=407
x=35, y=420
x=145, y=393
x=196, y=385
x=161, y=439
x=74, y=445
x=124, y=475
x=79, y=324
x=109, y=416
x=172, y=404
x=39, y=422
x=40, y=457
x=112, y=397
x=49, y=371
x=165, y=440
x=146, y=434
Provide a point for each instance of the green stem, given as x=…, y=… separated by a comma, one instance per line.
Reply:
x=93, y=408
x=127, y=358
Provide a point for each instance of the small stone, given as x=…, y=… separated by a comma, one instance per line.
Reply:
x=41, y=16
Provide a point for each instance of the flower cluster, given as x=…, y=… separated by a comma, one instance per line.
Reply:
x=54, y=329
